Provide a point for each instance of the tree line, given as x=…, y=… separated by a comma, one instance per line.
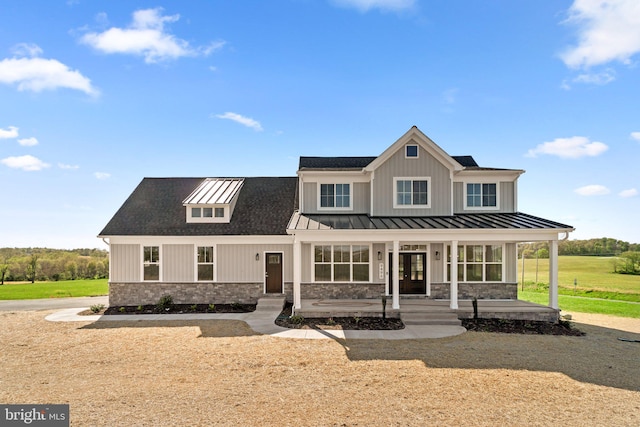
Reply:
x=31, y=264
x=626, y=256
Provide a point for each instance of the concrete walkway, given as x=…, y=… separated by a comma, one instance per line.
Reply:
x=262, y=321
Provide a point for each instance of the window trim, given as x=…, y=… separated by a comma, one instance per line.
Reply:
x=406, y=151
x=480, y=208
x=208, y=219
x=332, y=264
x=158, y=263
x=412, y=179
x=212, y=263
x=484, y=263
x=334, y=183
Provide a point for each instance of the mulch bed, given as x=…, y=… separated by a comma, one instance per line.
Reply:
x=528, y=327
x=175, y=309
x=333, y=323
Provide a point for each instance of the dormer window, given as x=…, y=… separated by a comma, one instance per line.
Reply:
x=213, y=200
x=411, y=151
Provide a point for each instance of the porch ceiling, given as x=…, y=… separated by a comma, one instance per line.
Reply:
x=478, y=221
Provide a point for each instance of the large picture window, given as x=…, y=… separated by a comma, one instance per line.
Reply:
x=335, y=196
x=477, y=263
x=341, y=263
x=205, y=263
x=482, y=195
x=411, y=192
x=151, y=260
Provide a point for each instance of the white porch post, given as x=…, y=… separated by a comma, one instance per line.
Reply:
x=553, y=274
x=395, y=300
x=454, y=275
x=297, y=274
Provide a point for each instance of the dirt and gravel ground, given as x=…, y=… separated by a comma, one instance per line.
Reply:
x=221, y=373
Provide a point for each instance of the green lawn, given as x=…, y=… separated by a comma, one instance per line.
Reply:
x=62, y=289
x=596, y=290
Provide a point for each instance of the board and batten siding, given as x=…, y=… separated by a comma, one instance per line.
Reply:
x=360, y=198
x=125, y=262
x=437, y=266
x=178, y=263
x=424, y=166
x=507, y=198
x=510, y=260
x=237, y=262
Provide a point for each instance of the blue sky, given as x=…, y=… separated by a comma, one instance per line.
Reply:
x=96, y=95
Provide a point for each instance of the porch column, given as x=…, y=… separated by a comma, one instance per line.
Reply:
x=395, y=260
x=297, y=274
x=553, y=274
x=454, y=275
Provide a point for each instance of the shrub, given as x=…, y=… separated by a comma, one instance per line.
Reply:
x=122, y=309
x=165, y=303
x=193, y=308
x=297, y=319
x=97, y=308
x=139, y=308
x=212, y=307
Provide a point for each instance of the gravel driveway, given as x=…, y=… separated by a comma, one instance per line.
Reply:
x=221, y=373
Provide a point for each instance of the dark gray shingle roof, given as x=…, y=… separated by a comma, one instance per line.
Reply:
x=466, y=161
x=155, y=208
x=334, y=162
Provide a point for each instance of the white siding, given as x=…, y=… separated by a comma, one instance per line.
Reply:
x=178, y=263
x=510, y=261
x=125, y=262
x=237, y=263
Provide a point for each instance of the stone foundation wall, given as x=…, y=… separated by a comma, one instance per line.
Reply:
x=341, y=290
x=477, y=290
x=190, y=293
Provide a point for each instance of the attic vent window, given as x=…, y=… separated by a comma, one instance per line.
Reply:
x=411, y=151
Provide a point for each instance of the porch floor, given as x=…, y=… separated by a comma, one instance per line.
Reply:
x=498, y=309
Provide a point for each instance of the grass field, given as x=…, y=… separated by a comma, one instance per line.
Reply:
x=62, y=289
x=586, y=284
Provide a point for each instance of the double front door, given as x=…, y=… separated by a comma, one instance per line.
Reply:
x=411, y=272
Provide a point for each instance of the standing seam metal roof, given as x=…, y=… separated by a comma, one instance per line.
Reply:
x=505, y=221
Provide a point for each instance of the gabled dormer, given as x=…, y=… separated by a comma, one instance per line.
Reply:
x=413, y=177
x=213, y=200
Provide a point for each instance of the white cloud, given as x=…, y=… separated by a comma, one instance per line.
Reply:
x=632, y=192
x=38, y=74
x=245, y=121
x=28, y=142
x=9, y=133
x=26, y=163
x=592, y=190
x=569, y=148
x=607, y=30
x=602, y=78
x=102, y=175
x=366, y=5
x=27, y=49
x=636, y=136
x=69, y=167
x=146, y=36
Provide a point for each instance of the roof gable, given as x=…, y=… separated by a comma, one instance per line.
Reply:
x=415, y=136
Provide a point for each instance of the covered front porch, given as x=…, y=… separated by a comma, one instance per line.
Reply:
x=497, y=309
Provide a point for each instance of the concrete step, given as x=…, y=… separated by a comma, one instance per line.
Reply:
x=270, y=303
x=431, y=318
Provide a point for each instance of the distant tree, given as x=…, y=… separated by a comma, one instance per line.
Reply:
x=32, y=268
x=72, y=270
x=629, y=263
x=4, y=269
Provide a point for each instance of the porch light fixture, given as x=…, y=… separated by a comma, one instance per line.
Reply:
x=437, y=255
x=379, y=256
x=257, y=257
